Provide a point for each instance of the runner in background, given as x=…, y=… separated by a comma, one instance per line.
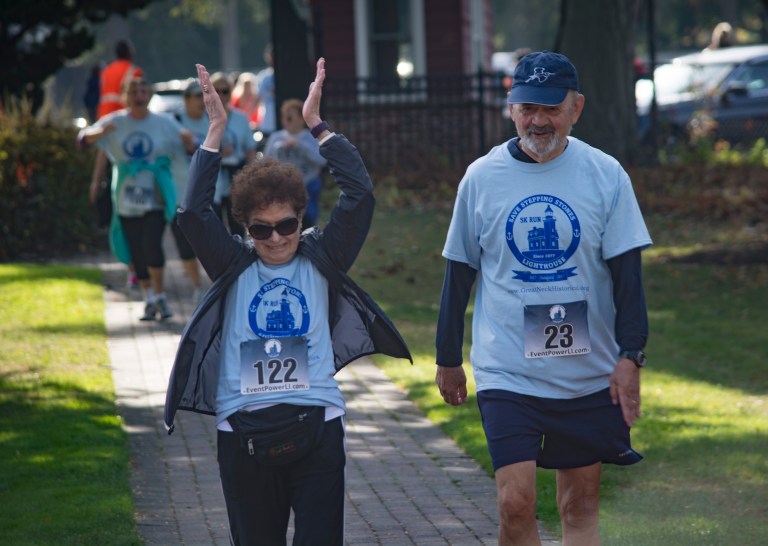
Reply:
x=113, y=79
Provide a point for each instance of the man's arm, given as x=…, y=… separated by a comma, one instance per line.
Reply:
x=629, y=299
x=450, y=377
x=457, y=286
x=631, y=330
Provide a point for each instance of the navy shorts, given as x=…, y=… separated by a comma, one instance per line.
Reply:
x=556, y=433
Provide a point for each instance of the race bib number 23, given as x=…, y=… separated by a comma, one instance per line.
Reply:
x=559, y=329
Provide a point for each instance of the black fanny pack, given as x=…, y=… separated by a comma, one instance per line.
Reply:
x=279, y=434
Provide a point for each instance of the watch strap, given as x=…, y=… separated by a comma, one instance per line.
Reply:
x=318, y=129
x=638, y=357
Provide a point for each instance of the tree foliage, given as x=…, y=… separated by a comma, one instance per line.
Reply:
x=38, y=38
x=209, y=12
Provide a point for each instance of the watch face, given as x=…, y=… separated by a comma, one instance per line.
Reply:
x=638, y=357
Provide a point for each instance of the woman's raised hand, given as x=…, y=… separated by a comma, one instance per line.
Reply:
x=311, y=110
x=217, y=114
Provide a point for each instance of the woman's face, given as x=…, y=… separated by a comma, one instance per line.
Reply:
x=138, y=95
x=276, y=249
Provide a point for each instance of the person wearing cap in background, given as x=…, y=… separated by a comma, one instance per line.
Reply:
x=552, y=230
x=194, y=119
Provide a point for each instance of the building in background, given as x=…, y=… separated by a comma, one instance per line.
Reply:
x=410, y=79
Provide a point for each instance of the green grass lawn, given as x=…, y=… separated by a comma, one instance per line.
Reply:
x=704, y=432
x=64, y=461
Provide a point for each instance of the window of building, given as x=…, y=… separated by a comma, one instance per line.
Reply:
x=390, y=47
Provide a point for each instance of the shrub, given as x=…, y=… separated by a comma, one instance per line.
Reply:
x=44, y=179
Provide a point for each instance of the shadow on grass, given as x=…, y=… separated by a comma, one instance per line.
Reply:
x=64, y=478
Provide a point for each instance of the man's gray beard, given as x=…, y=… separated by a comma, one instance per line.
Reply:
x=541, y=147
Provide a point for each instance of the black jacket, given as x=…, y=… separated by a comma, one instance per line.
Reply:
x=358, y=326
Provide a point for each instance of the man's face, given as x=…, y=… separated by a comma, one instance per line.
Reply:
x=544, y=129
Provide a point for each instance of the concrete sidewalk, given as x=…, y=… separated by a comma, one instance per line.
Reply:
x=407, y=483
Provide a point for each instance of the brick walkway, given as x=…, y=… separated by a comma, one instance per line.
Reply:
x=407, y=483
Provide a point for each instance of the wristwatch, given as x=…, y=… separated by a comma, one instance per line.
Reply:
x=638, y=357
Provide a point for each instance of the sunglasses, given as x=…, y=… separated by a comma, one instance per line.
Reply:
x=262, y=232
x=222, y=91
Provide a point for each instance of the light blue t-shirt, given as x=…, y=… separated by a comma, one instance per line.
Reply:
x=238, y=134
x=199, y=129
x=304, y=154
x=139, y=141
x=268, y=304
x=540, y=235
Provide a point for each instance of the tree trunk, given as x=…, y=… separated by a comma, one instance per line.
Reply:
x=598, y=37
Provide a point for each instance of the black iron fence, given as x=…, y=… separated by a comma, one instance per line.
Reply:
x=417, y=122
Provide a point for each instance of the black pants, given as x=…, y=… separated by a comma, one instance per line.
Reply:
x=145, y=241
x=259, y=498
x=186, y=252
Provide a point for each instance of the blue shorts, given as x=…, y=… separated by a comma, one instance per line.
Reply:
x=556, y=433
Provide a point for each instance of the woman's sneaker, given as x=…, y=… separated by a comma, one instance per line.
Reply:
x=162, y=308
x=150, y=309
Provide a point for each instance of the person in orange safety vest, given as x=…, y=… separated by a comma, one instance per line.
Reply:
x=114, y=75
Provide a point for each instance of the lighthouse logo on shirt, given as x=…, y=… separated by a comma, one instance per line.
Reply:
x=138, y=145
x=278, y=310
x=543, y=232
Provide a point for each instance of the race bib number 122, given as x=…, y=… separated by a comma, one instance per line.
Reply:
x=275, y=364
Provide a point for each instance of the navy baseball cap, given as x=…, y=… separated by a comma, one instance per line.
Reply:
x=543, y=78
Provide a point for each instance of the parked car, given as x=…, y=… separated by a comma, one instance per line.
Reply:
x=722, y=93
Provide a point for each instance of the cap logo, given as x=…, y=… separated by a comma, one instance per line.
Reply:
x=542, y=78
x=540, y=75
